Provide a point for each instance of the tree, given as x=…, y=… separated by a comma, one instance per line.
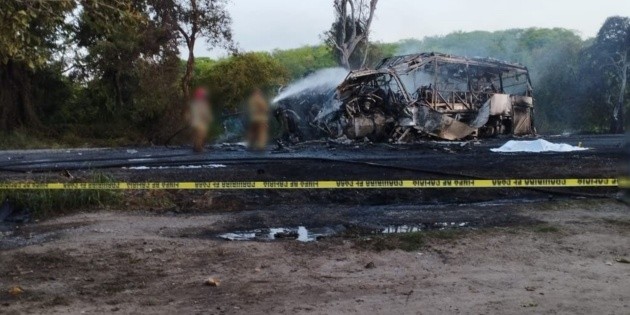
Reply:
x=353, y=19
x=118, y=40
x=232, y=79
x=35, y=39
x=195, y=19
x=29, y=34
x=304, y=60
x=610, y=54
x=112, y=42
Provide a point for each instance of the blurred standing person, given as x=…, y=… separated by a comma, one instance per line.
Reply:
x=200, y=117
x=258, y=120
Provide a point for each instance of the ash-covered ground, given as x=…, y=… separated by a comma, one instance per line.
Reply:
x=324, y=251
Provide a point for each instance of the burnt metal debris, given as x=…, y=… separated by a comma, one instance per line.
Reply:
x=406, y=98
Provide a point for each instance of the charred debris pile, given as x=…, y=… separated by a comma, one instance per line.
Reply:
x=413, y=97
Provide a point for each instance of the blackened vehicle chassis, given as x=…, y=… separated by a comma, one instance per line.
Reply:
x=431, y=94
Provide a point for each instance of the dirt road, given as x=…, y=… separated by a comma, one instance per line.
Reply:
x=562, y=256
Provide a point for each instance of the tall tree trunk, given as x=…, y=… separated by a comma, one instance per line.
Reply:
x=357, y=16
x=618, y=112
x=617, y=124
x=8, y=110
x=345, y=59
x=17, y=107
x=118, y=91
x=29, y=113
x=365, y=54
x=188, y=75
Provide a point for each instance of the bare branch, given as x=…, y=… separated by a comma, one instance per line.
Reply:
x=185, y=35
x=368, y=25
x=353, y=20
x=341, y=9
x=351, y=28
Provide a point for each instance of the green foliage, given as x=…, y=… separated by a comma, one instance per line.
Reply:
x=29, y=29
x=121, y=50
x=202, y=65
x=124, y=84
x=157, y=91
x=553, y=58
x=194, y=20
x=607, y=62
x=30, y=32
x=546, y=228
x=231, y=80
x=22, y=139
x=131, y=70
x=304, y=60
x=44, y=203
x=378, y=51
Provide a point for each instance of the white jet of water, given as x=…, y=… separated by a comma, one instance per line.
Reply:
x=327, y=78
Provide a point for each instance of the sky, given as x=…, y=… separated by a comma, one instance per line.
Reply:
x=264, y=25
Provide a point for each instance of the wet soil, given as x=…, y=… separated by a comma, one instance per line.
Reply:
x=496, y=251
x=538, y=256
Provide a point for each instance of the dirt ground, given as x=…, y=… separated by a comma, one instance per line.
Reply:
x=565, y=257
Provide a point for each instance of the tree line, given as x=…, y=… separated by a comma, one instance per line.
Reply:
x=113, y=69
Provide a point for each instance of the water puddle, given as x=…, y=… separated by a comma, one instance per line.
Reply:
x=303, y=234
x=422, y=227
x=300, y=233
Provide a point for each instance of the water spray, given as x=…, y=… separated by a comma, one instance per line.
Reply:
x=321, y=80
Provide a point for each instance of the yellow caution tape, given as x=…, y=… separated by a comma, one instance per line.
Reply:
x=329, y=184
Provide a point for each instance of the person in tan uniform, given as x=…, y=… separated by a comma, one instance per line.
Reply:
x=258, y=110
x=200, y=117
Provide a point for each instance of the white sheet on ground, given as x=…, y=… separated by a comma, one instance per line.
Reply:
x=536, y=146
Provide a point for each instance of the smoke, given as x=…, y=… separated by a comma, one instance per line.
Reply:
x=233, y=130
x=332, y=105
x=502, y=45
x=325, y=79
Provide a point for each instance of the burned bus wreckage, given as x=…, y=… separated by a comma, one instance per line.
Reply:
x=428, y=95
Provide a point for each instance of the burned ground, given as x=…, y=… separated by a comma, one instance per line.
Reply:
x=323, y=161
x=559, y=256
x=497, y=250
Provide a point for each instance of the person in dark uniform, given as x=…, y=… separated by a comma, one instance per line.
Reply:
x=289, y=120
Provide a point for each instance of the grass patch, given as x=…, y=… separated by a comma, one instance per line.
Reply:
x=71, y=136
x=564, y=204
x=545, y=228
x=623, y=223
x=406, y=241
x=149, y=200
x=45, y=203
x=24, y=141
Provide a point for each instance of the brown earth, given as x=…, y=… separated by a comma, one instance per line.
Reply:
x=565, y=257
